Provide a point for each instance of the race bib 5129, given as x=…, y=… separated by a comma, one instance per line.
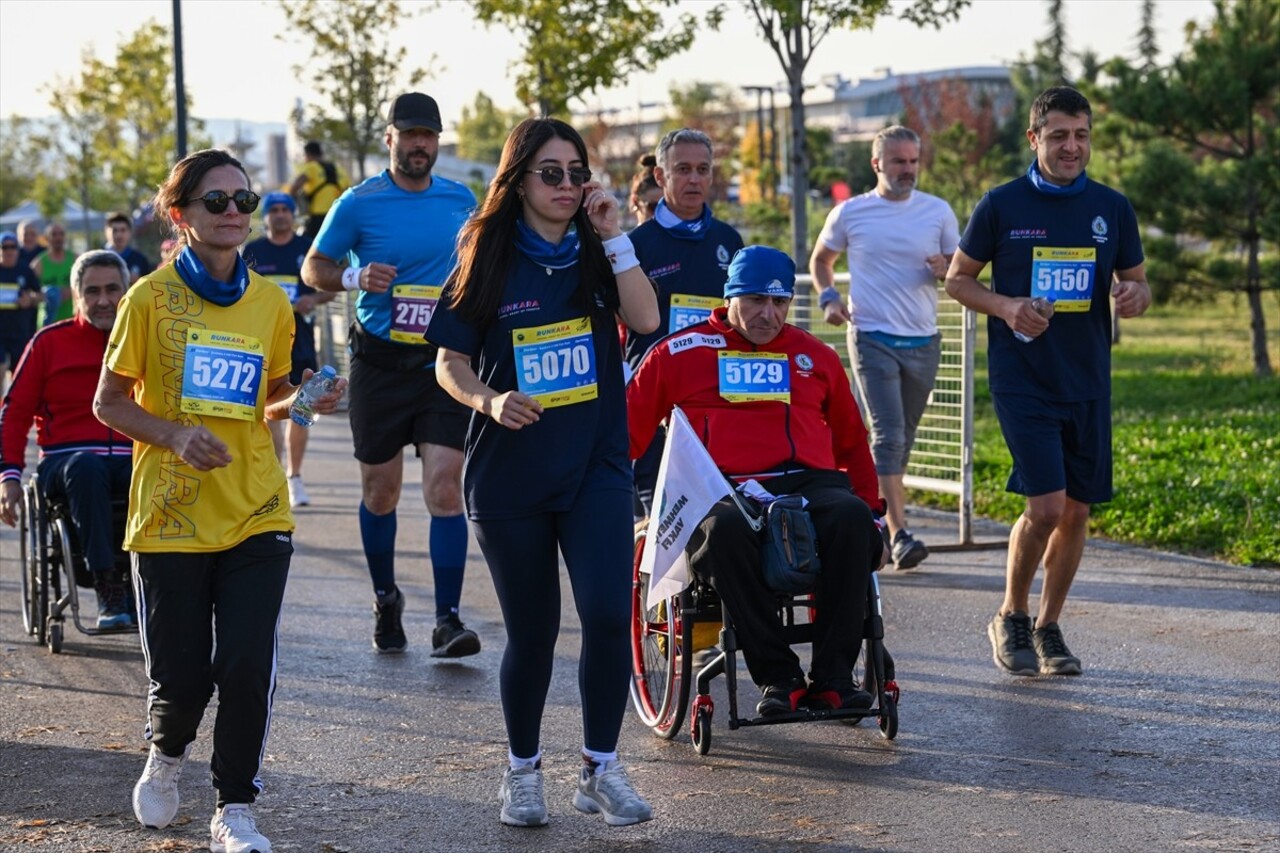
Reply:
x=749, y=376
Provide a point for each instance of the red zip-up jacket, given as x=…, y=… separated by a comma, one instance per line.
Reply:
x=54, y=385
x=820, y=428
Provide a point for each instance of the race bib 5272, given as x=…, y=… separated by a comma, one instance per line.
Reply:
x=221, y=375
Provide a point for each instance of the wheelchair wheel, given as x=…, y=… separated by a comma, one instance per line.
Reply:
x=37, y=562
x=888, y=718
x=55, y=637
x=659, y=680
x=701, y=733
x=26, y=555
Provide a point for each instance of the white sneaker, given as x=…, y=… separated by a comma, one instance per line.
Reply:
x=233, y=831
x=609, y=792
x=520, y=793
x=155, y=797
x=298, y=492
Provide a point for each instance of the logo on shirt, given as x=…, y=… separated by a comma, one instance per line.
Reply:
x=804, y=362
x=1099, y=229
x=722, y=254
x=521, y=306
x=1028, y=233
x=658, y=272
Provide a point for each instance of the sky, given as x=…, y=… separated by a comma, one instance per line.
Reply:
x=236, y=67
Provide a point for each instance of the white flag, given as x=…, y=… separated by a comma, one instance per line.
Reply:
x=689, y=485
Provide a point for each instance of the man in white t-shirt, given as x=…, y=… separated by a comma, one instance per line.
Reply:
x=900, y=242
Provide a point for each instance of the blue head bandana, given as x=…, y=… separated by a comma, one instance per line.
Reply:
x=224, y=293
x=761, y=269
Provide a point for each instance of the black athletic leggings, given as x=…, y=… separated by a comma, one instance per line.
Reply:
x=595, y=537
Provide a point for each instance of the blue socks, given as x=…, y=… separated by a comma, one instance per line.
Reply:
x=378, y=534
x=448, y=544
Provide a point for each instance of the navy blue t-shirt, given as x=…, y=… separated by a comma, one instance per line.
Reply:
x=17, y=324
x=690, y=273
x=283, y=265
x=1065, y=248
x=138, y=263
x=542, y=467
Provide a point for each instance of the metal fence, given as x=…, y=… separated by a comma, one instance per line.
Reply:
x=942, y=457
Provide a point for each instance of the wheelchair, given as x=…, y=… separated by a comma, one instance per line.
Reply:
x=662, y=649
x=53, y=567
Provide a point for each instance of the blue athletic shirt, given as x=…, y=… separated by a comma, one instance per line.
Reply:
x=417, y=232
x=542, y=467
x=685, y=268
x=1073, y=243
x=283, y=265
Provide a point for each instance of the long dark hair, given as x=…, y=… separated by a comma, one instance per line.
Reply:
x=488, y=240
x=181, y=184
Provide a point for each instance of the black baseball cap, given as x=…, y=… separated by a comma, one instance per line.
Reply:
x=414, y=109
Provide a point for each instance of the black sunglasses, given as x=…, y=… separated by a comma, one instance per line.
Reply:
x=553, y=175
x=217, y=201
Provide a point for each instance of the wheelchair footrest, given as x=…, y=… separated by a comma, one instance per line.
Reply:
x=811, y=715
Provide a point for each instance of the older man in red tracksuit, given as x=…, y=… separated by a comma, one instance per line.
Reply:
x=82, y=462
x=772, y=403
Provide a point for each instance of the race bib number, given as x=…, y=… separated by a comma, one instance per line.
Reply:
x=289, y=284
x=411, y=308
x=221, y=375
x=556, y=363
x=746, y=377
x=1064, y=276
x=687, y=310
x=8, y=297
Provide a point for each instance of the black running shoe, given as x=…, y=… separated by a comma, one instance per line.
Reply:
x=908, y=551
x=452, y=639
x=833, y=696
x=388, y=633
x=781, y=698
x=1051, y=649
x=1011, y=644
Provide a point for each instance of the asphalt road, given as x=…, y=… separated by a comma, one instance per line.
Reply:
x=1169, y=741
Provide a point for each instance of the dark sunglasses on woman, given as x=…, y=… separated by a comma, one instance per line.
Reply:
x=217, y=201
x=553, y=175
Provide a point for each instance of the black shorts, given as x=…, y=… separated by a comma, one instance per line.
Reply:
x=393, y=408
x=1057, y=446
x=11, y=347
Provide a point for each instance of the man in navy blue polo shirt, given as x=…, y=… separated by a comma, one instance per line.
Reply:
x=1064, y=246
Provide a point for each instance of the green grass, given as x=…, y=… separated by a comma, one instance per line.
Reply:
x=1196, y=437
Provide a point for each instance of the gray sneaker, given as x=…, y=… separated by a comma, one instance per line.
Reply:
x=155, y=797
x=233, y=830
x=609, y=792
x=1055, y=658
x=520, y=793
x=1011, y=644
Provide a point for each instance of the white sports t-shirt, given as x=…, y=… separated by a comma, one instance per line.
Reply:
x=890, y=287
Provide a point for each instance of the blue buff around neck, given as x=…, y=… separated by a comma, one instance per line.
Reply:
x=1049, y=188
x=378, y=535
x=448, y=543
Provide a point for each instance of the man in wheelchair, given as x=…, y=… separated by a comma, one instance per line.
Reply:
x=83, y=464
x=773, y=404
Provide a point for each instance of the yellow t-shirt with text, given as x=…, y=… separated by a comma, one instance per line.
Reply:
x=172, y=506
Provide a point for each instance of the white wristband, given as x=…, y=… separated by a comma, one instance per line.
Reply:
x=621, y=253
x=351, y=278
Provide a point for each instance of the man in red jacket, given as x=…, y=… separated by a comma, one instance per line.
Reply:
x=82, y=462
x=773, y=403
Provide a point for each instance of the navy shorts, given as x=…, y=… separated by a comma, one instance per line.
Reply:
x=304, y=348
x=1057, y=446
x=393, y=408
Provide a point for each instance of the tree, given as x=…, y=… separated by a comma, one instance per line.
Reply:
x=1148, y=47
x=20, y=160
x=713, y=109
x=793, y=29
x=575, y=47
x=484, y=128
x=1212, y=167
x=354, y=71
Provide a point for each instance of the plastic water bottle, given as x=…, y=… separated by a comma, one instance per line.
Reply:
x=1044, y=308
x=303, y=412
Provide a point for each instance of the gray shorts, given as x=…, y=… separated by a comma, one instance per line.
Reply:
x=893, y=387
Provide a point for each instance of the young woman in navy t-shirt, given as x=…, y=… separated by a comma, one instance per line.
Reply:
x=528, y=339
